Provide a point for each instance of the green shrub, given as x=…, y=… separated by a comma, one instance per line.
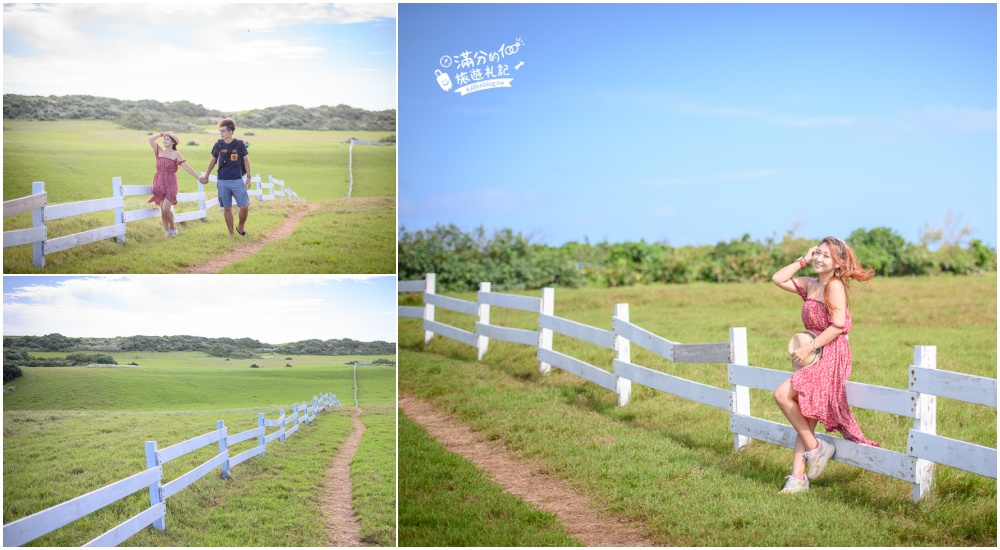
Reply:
x=510, y=262
x=10, y=372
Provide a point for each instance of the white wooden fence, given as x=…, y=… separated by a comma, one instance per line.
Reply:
x=914, y=465
x=43, y=212
x=22, y=531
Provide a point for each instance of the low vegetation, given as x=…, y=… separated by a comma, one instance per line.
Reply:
x=510, y=261
x=185, y=116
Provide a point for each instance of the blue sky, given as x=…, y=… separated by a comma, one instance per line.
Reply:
x=694, y=124
x=224, y=56
x=273, y=309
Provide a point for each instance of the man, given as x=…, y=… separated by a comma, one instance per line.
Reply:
x=231, y=153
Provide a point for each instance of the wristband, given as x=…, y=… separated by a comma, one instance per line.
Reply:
x=802, y=262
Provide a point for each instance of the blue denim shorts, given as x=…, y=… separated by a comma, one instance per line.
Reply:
x=230, y=189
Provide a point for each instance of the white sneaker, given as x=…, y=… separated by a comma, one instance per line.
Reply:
x=795, y=485
x=818, y=457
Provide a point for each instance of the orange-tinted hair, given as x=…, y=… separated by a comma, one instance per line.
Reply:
x=847, y=267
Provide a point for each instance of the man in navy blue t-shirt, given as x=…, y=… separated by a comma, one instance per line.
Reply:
x=230, y=154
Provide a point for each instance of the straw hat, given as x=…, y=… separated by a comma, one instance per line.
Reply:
x=800, y=339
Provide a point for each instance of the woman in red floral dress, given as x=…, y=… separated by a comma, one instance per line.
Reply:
x=816, y=393
x=168, y=159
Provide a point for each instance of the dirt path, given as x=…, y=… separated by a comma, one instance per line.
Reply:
x=283, y=231
x=341, y=524
x=580, y=520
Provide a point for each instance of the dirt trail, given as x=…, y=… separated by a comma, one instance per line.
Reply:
x=580, y=520
x=342, y=526
x=283, y=231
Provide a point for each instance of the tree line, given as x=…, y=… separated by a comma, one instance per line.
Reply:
x=185, y=116
x=219, y=347
x=509, y=261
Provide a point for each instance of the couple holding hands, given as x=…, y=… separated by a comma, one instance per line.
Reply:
x=233, y=178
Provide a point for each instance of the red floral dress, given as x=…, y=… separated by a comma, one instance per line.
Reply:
x=165, y=180
x=821, y=385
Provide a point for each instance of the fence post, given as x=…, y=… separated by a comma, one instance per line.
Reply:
x=429, y=284
x=282, y=426
x=223, y=448
x=116, y=191
x=260, y=424
x=155, y=496
x=925, y=422
x=623, y=352
x=741, y=394
x=545, y=335
x=201, y=203
x=483, y=342
x=38, y=220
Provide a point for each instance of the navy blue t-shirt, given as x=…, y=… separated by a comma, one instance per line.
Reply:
x=228, y=155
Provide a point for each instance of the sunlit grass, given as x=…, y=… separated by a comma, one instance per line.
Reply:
x=355, y=235
x=68, y=431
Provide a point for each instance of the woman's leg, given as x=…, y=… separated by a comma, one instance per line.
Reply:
x=788, y=401
x=167, y=215
x=799, y=461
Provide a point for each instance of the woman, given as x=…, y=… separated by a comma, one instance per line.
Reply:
x=816, y=393
x=168, y=159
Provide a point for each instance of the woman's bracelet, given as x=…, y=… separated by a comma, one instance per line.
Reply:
x=802, y=262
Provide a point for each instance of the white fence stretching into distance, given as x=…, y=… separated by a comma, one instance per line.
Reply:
x=43, y=212
x=350, y=161
x=25, y=530
x=914, y=465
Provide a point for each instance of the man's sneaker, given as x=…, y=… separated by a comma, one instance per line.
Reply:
x=818, y=457
x=795, y=485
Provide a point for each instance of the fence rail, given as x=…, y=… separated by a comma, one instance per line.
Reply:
x=43, y=212
x=915, y=464
x=25, y=530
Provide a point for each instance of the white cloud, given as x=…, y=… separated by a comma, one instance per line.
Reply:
x=206, y=53
x=272, y=309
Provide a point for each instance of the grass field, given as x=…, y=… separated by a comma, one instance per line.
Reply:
x=430, y=477
x=78, y=159
x=68, y=431
x=669, y=463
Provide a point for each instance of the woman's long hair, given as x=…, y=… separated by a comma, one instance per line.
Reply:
x=848, y=267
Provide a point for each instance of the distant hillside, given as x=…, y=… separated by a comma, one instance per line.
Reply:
x=184, y=116
x=223, y=347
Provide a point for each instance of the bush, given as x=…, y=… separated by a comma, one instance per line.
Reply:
x=10, y=372
x=255, y=366
x=90, y=358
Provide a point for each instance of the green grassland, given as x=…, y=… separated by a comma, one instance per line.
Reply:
x=669, y=463
x=430, y=478
x=78, y=159
x=342, y=236
x=68, y=431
